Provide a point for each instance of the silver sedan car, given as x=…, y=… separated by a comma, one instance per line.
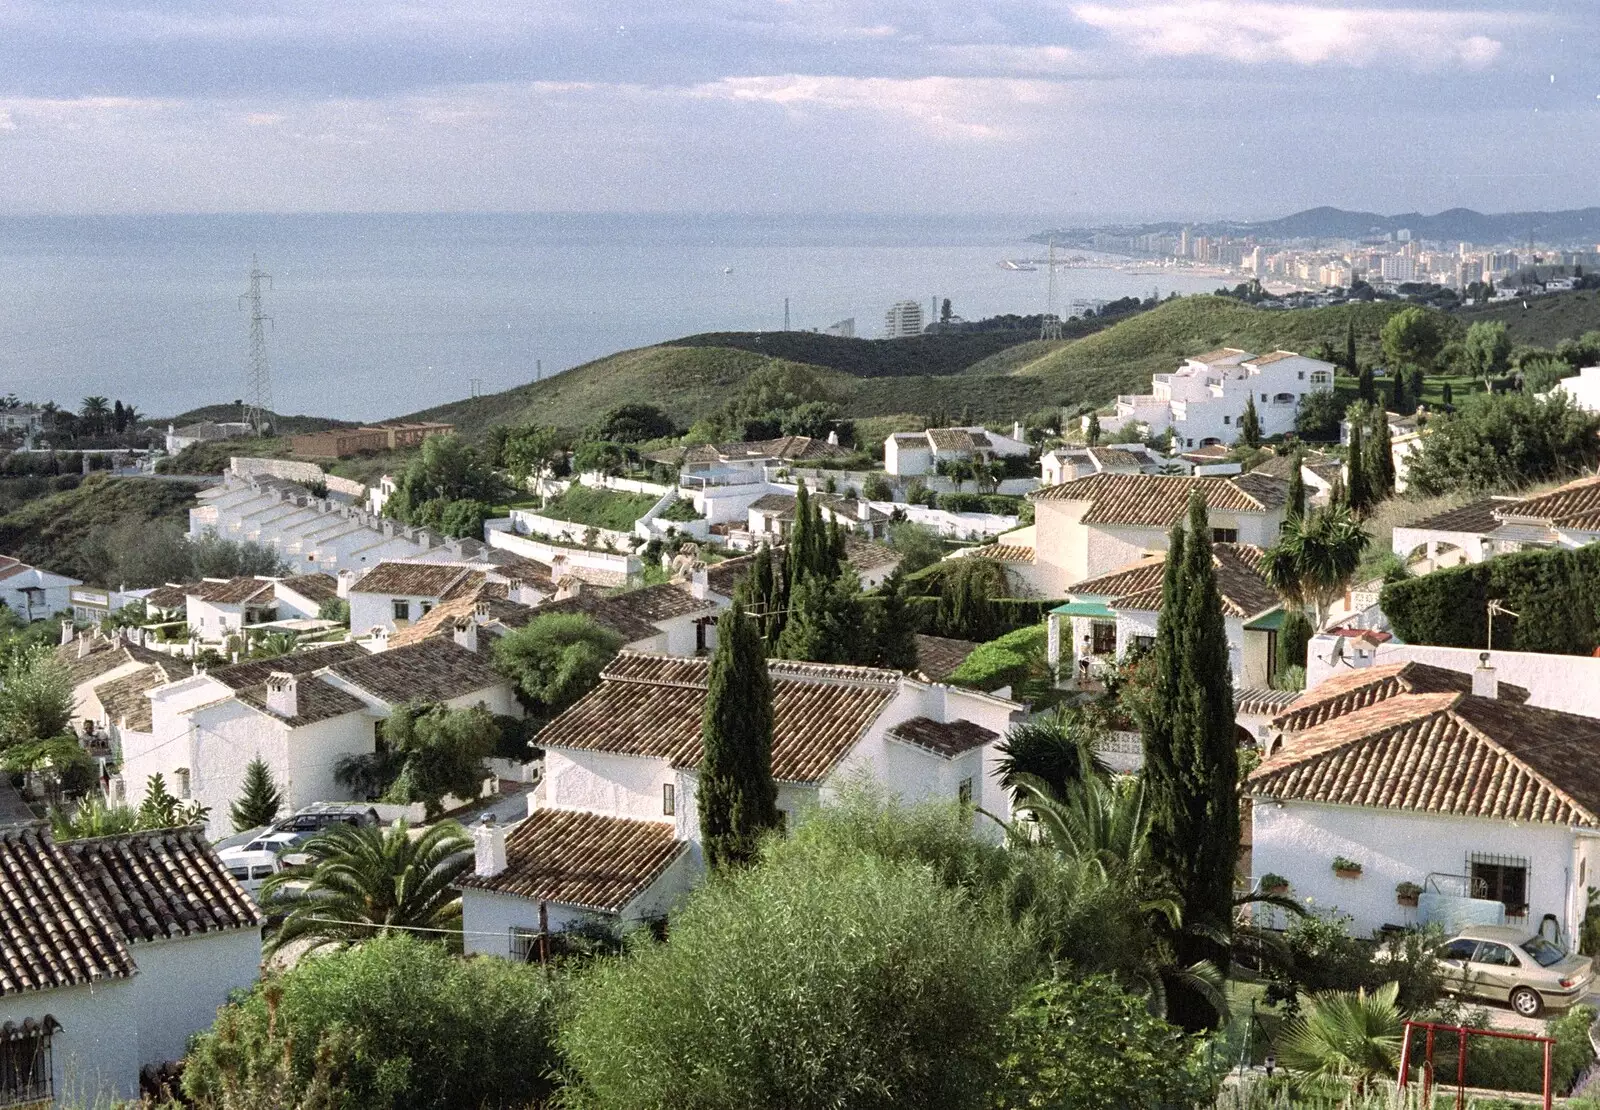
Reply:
x=1507, y=964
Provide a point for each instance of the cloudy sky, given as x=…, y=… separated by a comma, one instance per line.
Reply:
x=1104, y=107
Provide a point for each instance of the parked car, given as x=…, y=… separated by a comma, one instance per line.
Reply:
x=1508, y=964
x=254, y=863
x=320, y=815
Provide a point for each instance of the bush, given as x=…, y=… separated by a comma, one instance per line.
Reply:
x=394, y=1022
x=1010, y=660
x=822, y=977
x=877, y=488
x=1556, y=593
x=1502, y=1065
x=961, y=502
x=1498, y=441
x=1325, y=957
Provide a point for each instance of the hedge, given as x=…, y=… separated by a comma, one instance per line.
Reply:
x=1555, y=594
x=1010, y=615
x=1008, y=661
x=1500, y=1065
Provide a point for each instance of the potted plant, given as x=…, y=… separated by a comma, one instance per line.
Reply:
x=1346, y=868
x=1272, y=883
x=1406, y=893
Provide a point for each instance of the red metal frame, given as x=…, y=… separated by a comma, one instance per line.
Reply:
x=1462, y=1033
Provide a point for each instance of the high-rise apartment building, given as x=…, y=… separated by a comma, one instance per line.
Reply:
x=903, y=319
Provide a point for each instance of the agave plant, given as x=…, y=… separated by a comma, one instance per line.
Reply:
x=362, y=880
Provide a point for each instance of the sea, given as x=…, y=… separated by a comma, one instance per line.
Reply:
x=374, y=316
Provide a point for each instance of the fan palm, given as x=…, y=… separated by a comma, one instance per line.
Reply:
x=363, y=880
x=1057, y=749
x=1314, y=559
x=1344, y=1035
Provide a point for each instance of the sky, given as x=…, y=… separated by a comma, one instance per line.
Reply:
x=1100, y=109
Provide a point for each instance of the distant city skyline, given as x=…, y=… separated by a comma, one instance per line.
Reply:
x=1146, y=109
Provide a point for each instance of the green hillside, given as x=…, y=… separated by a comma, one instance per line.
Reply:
x=868, y=358
x=63, y=532
x=1543, y=321
x=226, y=414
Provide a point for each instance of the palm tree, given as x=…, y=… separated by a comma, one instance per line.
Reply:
x=95, y=411
x=363, y=880
x=272, y=645
x=1058, y=749
x=1314, y=558
x=1342, y=1035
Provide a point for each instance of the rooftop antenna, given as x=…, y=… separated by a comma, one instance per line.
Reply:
x=786, y=314
x=258, y=380
x=1050, y=328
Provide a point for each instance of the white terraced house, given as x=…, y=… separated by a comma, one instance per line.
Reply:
x=1203, y=400
x=1568, y=516
x=613, y=835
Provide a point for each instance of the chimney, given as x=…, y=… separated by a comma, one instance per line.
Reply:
x=347, y=578
x=466, y=633
x=1017, y=432
x=480, y=611
x=833, y=438
x=1484, y=682
x=283, y=694
x=380, y=638
x=85, y=646
x=568, y=587
x=68, y=631
x=488, y=847
x=699, y=584
x=863, y=509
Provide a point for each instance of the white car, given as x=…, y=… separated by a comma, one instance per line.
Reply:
x=254, y=863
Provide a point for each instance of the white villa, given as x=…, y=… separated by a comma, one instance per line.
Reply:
x=1204, y=398
x=1582, y=389
x=31, y=593
x=1109, y=521
x=1568, y=516
x=913, y=454
x=613, y=834
x=1068, y=464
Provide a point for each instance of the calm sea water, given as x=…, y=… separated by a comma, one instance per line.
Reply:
x=374, y=316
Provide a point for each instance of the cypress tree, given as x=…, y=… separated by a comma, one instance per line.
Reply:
x=1366, y=387
x=798, y=558
x=1091, y=434
x=1358, y=490
x=260, y=801
x=1397, y=391
x=1293, y=638
x=1446, y=394
x=894, y=633
x=1350, y=345
x=1296, y=505
x=737, y=798
x=755, y=591
x=1250, y=424
x=1194, y=830
x=1380, y=459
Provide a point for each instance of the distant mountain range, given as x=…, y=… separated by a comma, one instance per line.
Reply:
x=1570, y=227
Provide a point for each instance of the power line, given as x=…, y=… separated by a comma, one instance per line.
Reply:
x=258, y=381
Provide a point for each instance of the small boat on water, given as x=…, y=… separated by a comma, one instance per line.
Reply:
x=1020, y=267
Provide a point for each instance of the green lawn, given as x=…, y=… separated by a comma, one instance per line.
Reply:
x=601, y=508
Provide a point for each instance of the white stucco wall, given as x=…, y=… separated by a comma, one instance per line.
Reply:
x=487, y=919
x=212, y=621
x=1570, y=683
x=182, y=982
x=1299, y=841
x=96, y=1053
x=599, y=782
x=370, y=610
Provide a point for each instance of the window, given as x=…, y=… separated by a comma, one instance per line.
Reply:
x=1143, y=644
x=1103, y=638
x=1224, y=535
x=402, y=610
x=1502, y=879
x=1496, y=955
x=964, y=792
x=183, y=781
x=1227, y=420
x=1543, y=952
x=1263, y=398
x=1458, y=950
x=26, y=1066
x=1320, y=377
x=1301, y=375
x=426, y=607
x=524, y=944
x=669, y=799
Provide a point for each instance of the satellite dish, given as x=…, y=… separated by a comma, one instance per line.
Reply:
x=1336, y=654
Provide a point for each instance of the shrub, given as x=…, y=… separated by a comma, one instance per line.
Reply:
x=1010, y=660
x=394, y=1022
x=1502, y=1065
x=877, y=488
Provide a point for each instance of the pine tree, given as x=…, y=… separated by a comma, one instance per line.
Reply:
x=1358, y=488
x=1192, y=761
x=1250, y=425
x=1091, y=433
x=1380, y=460
x=737, y=797
x=1350, y=345
x=261, y=799
x=1296, y=505
x=1366, y=387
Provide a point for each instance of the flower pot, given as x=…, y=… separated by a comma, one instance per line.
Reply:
x=1276, y=888
x=1406, y=900
x=1347, y=872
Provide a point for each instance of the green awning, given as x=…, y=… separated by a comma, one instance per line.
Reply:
x=1270, y=621
x=1084, y=609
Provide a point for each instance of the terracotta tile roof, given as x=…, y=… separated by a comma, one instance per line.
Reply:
x=849, y=508
x=241, y=676
x=53, y=931
x=106, y=654
x=1476, y=516
x=938, y=656
x=124, y=699
x=232, y=591
x=661, y=602
x=169, y=597
x=417, y=579
x=1002, y=553
x=650, y=705
x=776, y=504
x=946, y=739
x=1355, y=689
x=582, y=859
x=608, y=612
x=1116, y=456
x=1262, y=701
x=435, y=669
x=865, y=555
x=956, y=439
x=1240, y=583
x=313, y=587
x=1159, y=500
x=1223, y=354
x=1211, y=452
x=1281, y=466
x=1574, y=505
x=1446, y=753
x=1269, y=359
x=315, y=700
x=167, y=883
